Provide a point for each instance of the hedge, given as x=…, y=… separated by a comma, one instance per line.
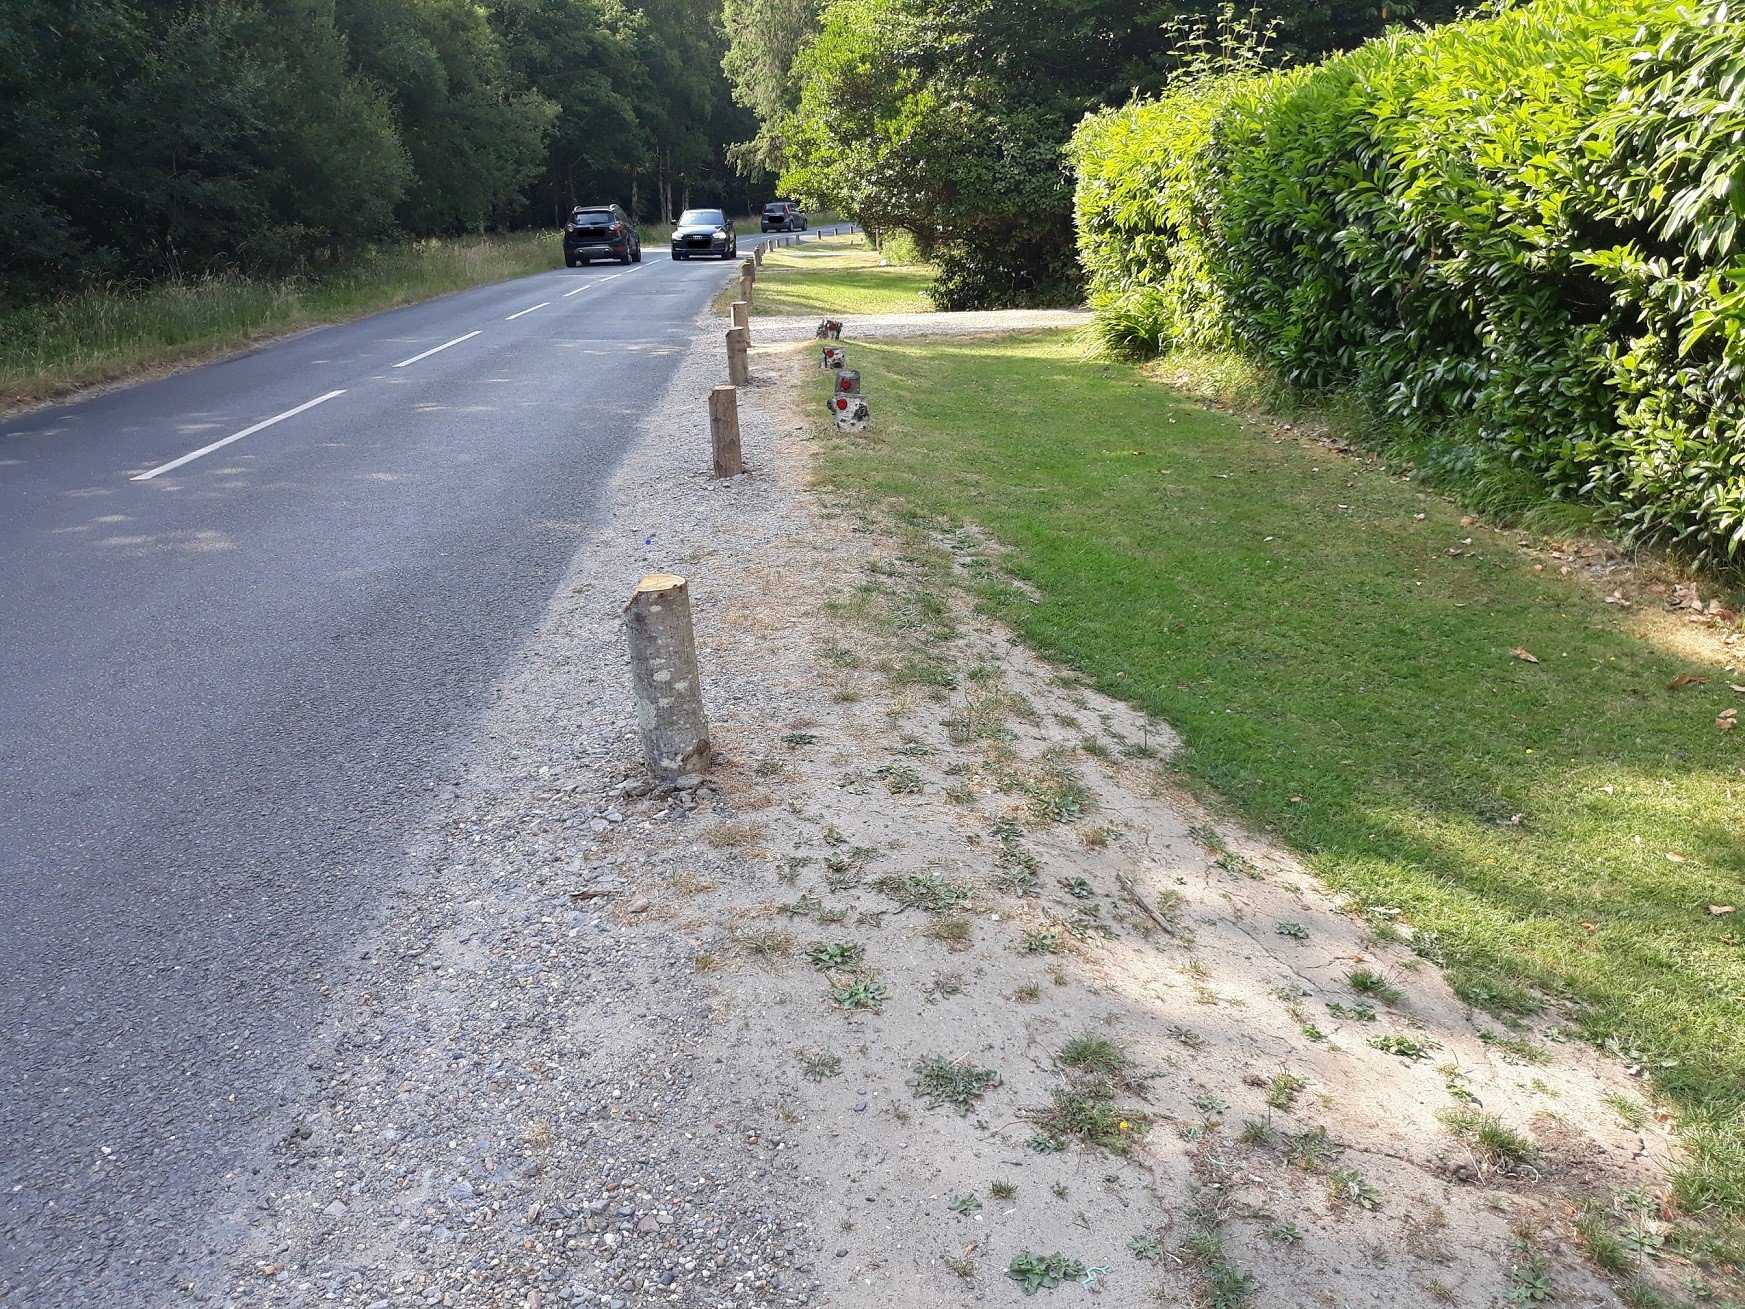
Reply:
x=1519, y=240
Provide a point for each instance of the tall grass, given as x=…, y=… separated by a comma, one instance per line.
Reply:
x=104, y=333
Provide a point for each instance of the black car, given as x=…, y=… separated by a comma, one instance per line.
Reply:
x=705, y=232
x=783, y=216
x=600, y=232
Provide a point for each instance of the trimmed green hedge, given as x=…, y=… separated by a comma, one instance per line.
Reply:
x=1520, y=240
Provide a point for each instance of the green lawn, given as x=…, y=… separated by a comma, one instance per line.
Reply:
x=1338, y=661
x=839, y=275
x=95, y=336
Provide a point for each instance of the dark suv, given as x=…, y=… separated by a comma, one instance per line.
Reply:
x=783, y=216
x=600, y=232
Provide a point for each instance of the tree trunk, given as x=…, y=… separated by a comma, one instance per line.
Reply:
x=738, y=368
x=663, y=677
x=724, y=431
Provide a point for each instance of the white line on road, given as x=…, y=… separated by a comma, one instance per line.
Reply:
x=436, y=349
x=247, y=431
x=512, y=317
x=589, y=287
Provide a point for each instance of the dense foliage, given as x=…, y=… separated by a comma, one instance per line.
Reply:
x=142, y=138
x=946, y=118
x=1516, y=238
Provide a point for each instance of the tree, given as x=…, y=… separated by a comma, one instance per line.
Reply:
x=764, y=37
x=473, y=142
x=581, y=56
x=948, y=118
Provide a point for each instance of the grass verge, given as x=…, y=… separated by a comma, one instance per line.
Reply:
x=102, y=335
x=839, y=275
x=1341, y=654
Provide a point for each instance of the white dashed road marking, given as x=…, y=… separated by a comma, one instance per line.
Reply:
x=436, y=350
x=247, y=431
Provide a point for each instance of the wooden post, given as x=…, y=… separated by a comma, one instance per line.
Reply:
x=663, y=677
x=738, y=346
x=742, y=315
x=757, y=255
x=748, y=269
x=724, y=431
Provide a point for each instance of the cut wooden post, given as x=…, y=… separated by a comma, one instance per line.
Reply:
x=738, y=345
x=745, y=290
x=757, y=255
x=724, y=431
x=663, y=677
x=748, y=269
x=742, y=315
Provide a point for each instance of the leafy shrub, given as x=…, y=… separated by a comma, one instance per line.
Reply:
x=1517, y=239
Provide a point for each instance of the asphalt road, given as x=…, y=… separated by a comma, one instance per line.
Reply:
x=225, y=691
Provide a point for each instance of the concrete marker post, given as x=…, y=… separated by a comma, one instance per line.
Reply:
x=724, y=431
x=738, y=348
x=663, y=678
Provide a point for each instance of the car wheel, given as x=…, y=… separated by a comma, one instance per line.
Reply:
x=679, y=258
x=569, y=261
x=637, y=257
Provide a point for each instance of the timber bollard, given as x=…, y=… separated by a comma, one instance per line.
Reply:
x=742, y=315
x=738, y=347
x=745, y=289
x=663, y=678
x=748, y=269
x=757, y=255
x=724, y=431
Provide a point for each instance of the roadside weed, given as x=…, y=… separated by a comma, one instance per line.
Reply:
x=819, y=1064
x=1366, y=981
x=827, y=956
x=1042, y=1272
x=860, y=993
x=1310, y=1150
x=1348, y=1186
x=1282, y=1091
x=1406, y=1047
x=1498, y=1145
x=1094, y=1054
x=926, y=891
x=1529, y=1278
x=956, y=1082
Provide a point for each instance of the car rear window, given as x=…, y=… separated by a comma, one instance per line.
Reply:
x=591, y=216
x=777, y=208
x=701, y=217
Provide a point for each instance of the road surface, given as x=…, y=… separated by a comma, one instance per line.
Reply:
x=242, y=609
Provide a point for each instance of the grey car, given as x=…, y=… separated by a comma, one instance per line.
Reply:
x=600, y=232
x=704, y=232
